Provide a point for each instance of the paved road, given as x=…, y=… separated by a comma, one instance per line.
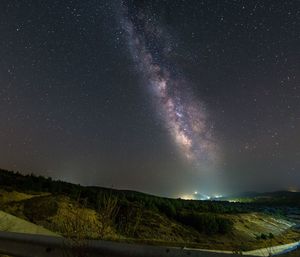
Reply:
x=275, y=250
x=26, y=245
x=29, y=245
x=265, y=252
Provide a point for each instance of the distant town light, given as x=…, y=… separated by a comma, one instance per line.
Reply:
x=218, y=196
x=293, y=189
x=187, y=197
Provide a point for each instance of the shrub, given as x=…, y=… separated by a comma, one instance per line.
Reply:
x=206, y=222
x=225, y=225
x=263, y=236
x=167, y=208
x=128, y=219
x=37, y=209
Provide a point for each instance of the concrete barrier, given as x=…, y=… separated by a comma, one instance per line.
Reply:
x=30, y=245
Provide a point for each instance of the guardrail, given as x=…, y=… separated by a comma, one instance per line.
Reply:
x=32, y=245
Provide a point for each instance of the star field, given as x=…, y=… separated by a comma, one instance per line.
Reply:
x=166, y=97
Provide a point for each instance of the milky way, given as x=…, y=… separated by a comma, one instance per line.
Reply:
x=185, y=118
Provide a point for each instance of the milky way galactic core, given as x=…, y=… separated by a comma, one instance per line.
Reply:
x=186, y=119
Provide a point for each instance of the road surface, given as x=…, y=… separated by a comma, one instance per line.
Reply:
x=30, y=245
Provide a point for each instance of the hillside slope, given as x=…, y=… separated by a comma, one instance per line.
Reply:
x=100, y=213
x=12, y=223
x=62, y=215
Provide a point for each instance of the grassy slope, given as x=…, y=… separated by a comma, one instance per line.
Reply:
x=151, y=223
x=60, y=213
x=12, y=223
x=6, y=197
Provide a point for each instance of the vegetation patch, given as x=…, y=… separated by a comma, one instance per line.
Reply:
x=40, y=208
x=78, y=213
x=207, y=223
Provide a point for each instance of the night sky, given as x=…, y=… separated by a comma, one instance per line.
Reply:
x=165, y=97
